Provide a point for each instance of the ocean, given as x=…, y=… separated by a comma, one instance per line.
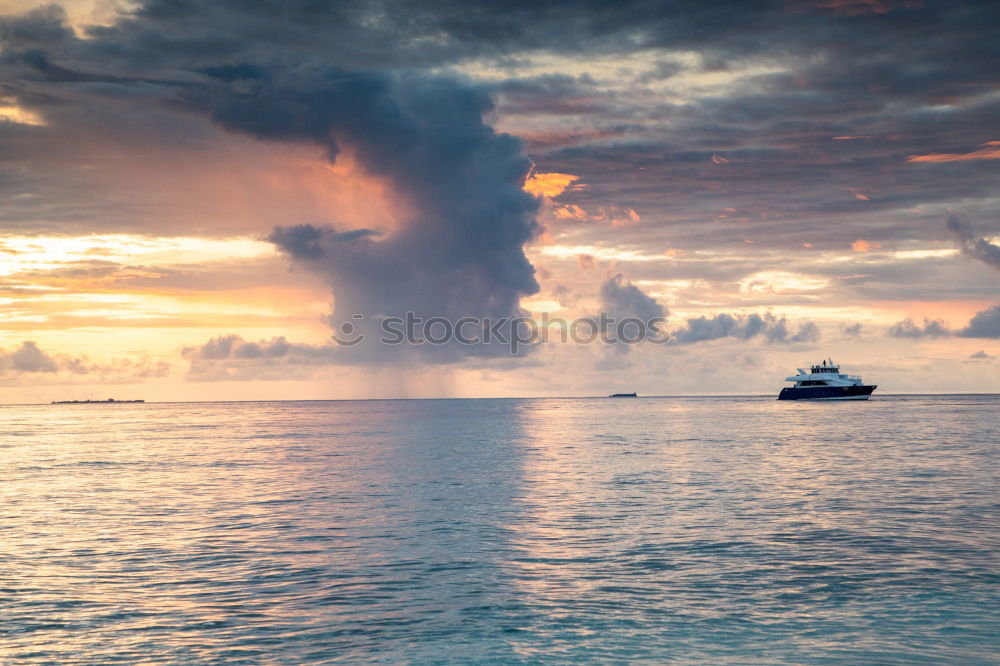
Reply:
x=649, y=530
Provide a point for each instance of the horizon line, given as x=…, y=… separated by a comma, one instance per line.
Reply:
x=551, y=397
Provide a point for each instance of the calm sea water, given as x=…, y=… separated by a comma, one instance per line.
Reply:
x=682, y=530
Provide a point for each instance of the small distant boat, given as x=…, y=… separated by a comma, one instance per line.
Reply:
x=825, y=382
x=95, y=402
x=623, y=395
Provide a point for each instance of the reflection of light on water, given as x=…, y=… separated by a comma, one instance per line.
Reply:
x=715, y=529
x=657, y=506
x=141, y=520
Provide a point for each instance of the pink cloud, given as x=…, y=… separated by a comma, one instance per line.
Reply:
x=989, y=151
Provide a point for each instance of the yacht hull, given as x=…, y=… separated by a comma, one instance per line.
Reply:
x=827, y=393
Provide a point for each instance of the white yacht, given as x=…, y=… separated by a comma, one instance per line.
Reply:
x=825, y=382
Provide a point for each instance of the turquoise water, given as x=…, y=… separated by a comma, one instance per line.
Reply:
x=682, y=530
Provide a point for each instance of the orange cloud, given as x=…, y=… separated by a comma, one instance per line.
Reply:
x=549, y=184
x=629, y=218
x=12, y=112
x=862, y=245
x=616, y=217
x=571, y=212
x=989, y=151
x=545, y=238
x=233, y=185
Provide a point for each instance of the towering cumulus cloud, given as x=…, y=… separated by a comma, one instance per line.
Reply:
x=459, y=253
x=460, y=216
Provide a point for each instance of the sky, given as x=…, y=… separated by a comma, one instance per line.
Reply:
x=197, y=196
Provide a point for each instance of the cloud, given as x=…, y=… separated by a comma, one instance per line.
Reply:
x=852, y=330
x=41, y=26
x=230, y=357
x=989, y=151
x=27, y=358
x=549, y=184
x=231, y=346
x=862, y=245
x=985, y=324
x=786, y=85
x=234, y=347
x=621, y=299
x=743, y=327
x=980, y=355
x=971, y=245
x=613, y=216
x=931, y=329
x=460, y=251
x=807, y=332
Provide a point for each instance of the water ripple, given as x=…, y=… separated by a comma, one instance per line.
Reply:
x=724, y=531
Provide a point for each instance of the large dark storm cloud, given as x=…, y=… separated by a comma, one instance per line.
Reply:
x=461, y=252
